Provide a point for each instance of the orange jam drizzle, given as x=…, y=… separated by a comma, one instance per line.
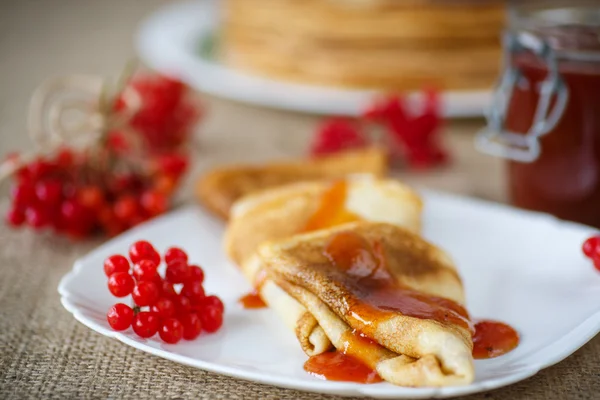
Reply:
x=330, y=212
x=253, y=300
x=367, y=276
x=332, y=209
x=493, y=339
x=337, y=366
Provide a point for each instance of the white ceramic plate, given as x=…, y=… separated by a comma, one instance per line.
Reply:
x=177, y=39
x=522, y=268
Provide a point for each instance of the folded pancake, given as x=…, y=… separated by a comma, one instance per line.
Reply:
x=301, y=207
x=220, y=188
x=383, y=295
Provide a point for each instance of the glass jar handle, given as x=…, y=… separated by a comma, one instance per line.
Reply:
x=495, y=139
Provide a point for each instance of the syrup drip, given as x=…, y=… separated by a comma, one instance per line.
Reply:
x=253, y=300
x=368, y=277
x=332, y=209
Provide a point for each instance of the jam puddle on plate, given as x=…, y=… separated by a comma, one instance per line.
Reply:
x=493, y=339
x=337, y=366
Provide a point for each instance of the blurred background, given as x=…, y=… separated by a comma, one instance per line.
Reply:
x=46, y=39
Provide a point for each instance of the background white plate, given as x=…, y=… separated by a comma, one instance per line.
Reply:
x=171, y=40
x=522, y=268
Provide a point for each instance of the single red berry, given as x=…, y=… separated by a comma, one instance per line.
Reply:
x=211, y=319
x=182, y=305
x=64, y=158
x=191, y=326
x=143, y=250
x=15, y=217
x=213, y=301
x=171, y=331
x=91, y=197
x=145, y=324
x=177, y=271
x=175, y=253
x=167, y=290
x=115, y=263
x=125, y=208
x=195, y=274
x=49, y=192
x=73, y=212
x=119, y=317
x=154, y=202
x=194, y=291
x=145, y=270
x=145, y=293
x=164, y=307
x=37, y=217
x=591, y=246
x=23, y=194
x=120, y=284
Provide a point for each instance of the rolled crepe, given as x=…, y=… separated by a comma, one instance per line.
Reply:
x=222, y=187
x=383, y=295
x=283, y=212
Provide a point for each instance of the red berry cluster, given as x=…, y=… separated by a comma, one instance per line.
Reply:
x=167, y=115
x=68, y=193
x=413, y=137
x=157, y=305
x=591, y=249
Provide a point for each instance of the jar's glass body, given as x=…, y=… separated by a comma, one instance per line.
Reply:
x=564, y=179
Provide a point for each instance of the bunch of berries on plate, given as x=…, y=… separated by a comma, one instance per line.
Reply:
x=124, y=178
x=157, y=305
x=591, y=249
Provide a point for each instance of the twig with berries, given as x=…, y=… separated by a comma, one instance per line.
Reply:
x=116, y=167
x=413, y=137
x=157, y=305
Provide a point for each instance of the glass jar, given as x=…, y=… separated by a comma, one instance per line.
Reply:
x=545, y=114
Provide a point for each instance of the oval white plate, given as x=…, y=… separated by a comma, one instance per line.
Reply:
x=522, y=268
x=171, y=40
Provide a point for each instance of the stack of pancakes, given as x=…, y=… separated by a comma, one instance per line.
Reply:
x=392, y=45
x=339, y=257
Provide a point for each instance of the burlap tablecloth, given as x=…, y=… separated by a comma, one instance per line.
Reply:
x=44, y=351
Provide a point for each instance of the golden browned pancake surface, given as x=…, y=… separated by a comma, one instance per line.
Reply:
x=221, y=187
x=402, y=293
